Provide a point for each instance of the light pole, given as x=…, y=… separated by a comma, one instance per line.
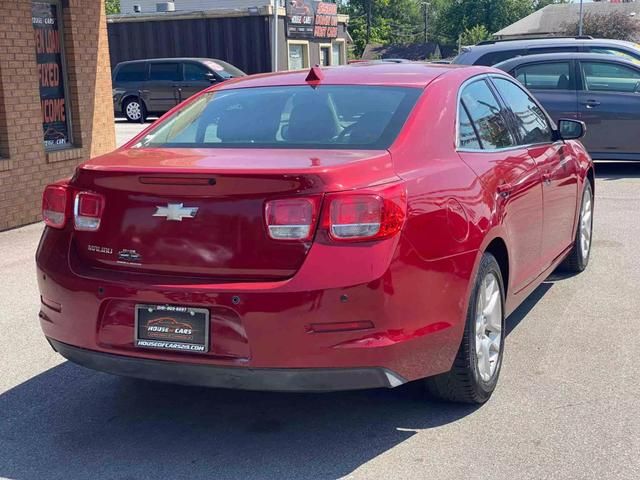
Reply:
x=274, y=48
x=581, y=22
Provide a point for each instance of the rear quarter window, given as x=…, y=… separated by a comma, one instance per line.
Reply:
x=487, y=116
x=493, y=58
x=132, y=72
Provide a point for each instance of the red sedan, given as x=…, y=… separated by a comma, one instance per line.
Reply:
x=354, y=227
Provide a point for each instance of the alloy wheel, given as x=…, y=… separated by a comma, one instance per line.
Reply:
x=586, y=221
x=488, y=326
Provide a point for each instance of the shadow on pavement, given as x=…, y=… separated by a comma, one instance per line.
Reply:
x=523, y=310
x=71, y=423
x=617, y=170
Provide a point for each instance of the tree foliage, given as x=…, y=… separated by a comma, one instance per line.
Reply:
x=402, y=21
x=615, y=24
x=112, y=6
x=475, y=34
x=456, y=17
x=392, y=21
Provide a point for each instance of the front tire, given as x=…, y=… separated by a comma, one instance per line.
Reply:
x=134, y=110
x=578, y=257
x=476, y=368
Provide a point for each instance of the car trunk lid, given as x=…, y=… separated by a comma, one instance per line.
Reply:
x=200, y=212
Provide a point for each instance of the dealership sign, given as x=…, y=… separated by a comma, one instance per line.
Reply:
x=53, y=101
x=312, y=19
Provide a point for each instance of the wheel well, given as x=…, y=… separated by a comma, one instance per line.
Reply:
x=498, y=249
x=132, y=96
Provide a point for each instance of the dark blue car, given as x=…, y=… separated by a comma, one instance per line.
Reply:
x=602, y=90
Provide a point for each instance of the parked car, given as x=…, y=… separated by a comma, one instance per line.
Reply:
x=155, y=86
x=492, y=52
x=603, y=91
x=311, y=248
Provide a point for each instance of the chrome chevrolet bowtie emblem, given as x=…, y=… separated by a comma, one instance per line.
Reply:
x=176, y=212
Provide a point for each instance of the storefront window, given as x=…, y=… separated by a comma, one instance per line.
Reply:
x=47, y=25
x=298, y=55
x=325, y=55
x=337, y=53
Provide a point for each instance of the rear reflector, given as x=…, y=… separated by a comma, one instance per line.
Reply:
x=55, y=306
x=87, y=211
x=291, y=218
x=54, y=206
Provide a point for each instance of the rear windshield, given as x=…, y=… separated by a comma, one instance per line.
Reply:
x=327, y=117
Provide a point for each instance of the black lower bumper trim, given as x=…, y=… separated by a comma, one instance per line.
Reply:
x=244, y=378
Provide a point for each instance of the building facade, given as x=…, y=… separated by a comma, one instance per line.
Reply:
x=310, y=33
x=150, y=6
x=55, y=98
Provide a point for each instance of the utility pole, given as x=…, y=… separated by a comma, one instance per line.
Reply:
x=274, y=47
x=581, y=23
x=369, y=12
x=426, y=21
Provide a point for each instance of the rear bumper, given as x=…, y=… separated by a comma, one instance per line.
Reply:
x=265, y=379
x=266, y=329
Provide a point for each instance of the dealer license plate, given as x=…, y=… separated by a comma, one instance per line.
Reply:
x=170, y=327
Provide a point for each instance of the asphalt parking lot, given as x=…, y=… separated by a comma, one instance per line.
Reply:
x=127, y=130
x=566, y=407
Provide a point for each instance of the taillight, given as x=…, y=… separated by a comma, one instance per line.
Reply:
x=292, y=218
x=364, y=216
x=87, y=211
x=54, y=206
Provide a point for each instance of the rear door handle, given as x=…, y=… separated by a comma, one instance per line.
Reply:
x=591, y=103
x=546, y=178
x=504, y=189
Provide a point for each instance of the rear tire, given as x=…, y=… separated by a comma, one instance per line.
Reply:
x=578, y=257
x=134, y=110
x=476, y=368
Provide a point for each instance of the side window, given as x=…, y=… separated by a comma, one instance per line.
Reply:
x=165, y=71
x=132, y=72
x=546, y=76
x=467, y=136
x=496, y=57
x=195, y=73
x=614, y=51
x=610, y=77
x=531, y=122
x=540, y=50
x=486, y=114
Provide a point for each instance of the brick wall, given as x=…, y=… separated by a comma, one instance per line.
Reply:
x=25, y=167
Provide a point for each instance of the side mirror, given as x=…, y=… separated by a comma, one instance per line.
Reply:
x=571, y=129
x=211, y=77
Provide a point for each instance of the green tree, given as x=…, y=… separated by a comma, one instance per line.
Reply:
x=402, y=21
x=453, y=18
x=112, y=6
x=392, y=21
x=474, y=35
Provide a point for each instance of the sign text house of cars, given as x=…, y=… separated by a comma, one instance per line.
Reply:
x=309, y=19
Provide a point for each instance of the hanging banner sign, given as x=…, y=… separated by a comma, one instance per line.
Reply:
x=53, y=101
x=312, y=19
